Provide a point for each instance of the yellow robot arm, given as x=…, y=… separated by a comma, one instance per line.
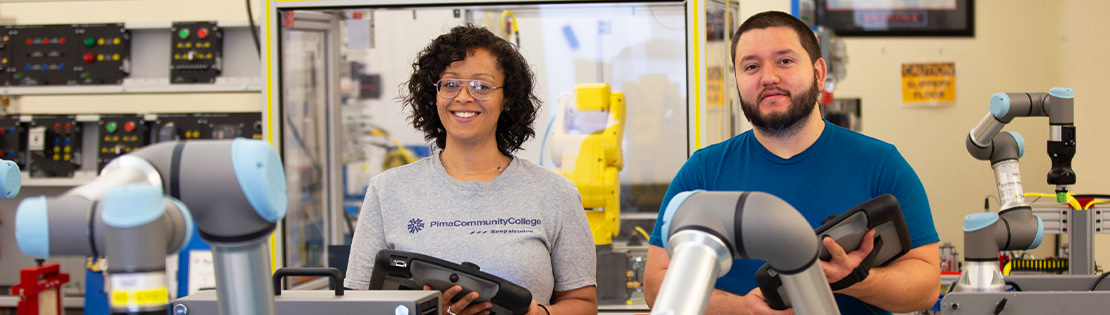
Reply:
x=598, y=161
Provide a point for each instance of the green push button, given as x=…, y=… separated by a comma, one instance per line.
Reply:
x=89, y=41
x=111, y=127
x=183, y=33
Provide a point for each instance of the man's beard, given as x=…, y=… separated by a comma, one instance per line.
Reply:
x=783, y=124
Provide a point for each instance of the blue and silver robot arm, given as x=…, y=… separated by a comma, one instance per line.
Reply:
x=142, y=206
x=1014, y=227
x=705, y=231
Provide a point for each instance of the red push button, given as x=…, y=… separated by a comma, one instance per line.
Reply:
x=202, y=33
x=88, y=57
x=129, y=126
x=57, y=126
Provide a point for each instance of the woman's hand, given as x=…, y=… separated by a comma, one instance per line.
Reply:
x=462, y=306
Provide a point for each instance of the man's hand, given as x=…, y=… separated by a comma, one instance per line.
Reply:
x=841, y=264
x=757, y=304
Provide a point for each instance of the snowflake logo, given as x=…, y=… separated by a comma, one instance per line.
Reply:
x=415, y=225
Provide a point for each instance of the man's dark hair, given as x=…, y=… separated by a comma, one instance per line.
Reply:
x=780, y=19
x=514, y=126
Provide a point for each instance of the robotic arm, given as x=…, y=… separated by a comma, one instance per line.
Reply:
x=131, y=213
x=1014, y=227
x=591, y=156
x=1058, y=105
x=10, y=180
x=705, y=231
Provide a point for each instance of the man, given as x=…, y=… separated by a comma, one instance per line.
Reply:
x=817, y=167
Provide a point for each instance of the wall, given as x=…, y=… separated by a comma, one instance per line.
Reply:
x=1083, y=67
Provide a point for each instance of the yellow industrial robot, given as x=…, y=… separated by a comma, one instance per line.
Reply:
x=586, y=148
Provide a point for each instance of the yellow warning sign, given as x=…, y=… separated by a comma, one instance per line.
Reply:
x=928, y=83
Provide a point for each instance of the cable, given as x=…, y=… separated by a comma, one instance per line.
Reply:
x=254, y=30
x=952, y=286
x=1073, y=202
x=1092, y=196
x=1099, y=280
x=987, y=202
x=645, y=233
x=307, y=152
x=543, y=143
x=1034, y=200
x=409, y=158
x=1095, y=202
x=347, y=218
x=405, y=153
x=660, y=22
x=1006, y=269
x=1071, y=199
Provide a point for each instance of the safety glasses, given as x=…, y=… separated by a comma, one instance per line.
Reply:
x=479, y=89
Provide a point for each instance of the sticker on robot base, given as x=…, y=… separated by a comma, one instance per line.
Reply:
x=928, y=83
x=140, y=298
x=138, y=290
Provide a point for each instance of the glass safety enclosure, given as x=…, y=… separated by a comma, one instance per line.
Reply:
x=336, y=70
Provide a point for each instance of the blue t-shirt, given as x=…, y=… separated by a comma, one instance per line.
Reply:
x=839, y=171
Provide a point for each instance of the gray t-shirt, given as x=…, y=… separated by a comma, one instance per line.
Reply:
x=526, y=226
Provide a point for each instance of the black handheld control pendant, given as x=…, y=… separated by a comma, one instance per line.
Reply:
x=399, y=270
x=892, y=240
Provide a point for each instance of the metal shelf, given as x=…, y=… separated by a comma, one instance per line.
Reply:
x=79, y=178
x=67, y=301
x=223, y=84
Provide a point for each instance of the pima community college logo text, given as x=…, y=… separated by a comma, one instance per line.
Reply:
x=415, y=225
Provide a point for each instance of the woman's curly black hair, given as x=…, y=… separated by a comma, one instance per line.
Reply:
x=514, y=126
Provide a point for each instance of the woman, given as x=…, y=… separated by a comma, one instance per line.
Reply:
x=471, y=92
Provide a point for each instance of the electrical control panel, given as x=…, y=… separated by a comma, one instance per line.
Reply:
x=35, y=55
x=119, y=134
x=197, y=52
x=51, y=145
x=169, y=127
x=54, y=142
x=13, y=141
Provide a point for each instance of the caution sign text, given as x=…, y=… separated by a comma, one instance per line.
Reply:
x=928, y=83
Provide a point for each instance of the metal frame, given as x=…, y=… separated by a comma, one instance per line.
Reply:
x=1039, y=294
x=316, y=23
x=1080, y=226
